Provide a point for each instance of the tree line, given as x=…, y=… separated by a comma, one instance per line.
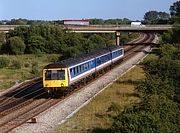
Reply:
x=150, y=17
x=48, y=38
x=93, y=21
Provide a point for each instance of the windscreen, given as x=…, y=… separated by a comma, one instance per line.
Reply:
x=55, y=75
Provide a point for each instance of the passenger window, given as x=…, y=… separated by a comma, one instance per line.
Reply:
x=75, y=71
x=85, y=66
x=88, y=65
x=98, y=62
x=79, y=69
x=91, y=63
x=71, y=72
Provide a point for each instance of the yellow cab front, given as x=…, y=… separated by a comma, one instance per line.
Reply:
x=55, y=78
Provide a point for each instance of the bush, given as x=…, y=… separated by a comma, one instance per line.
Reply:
x=4, y=62
x=2, y=40
x=114, y=107
x=0, y=47
x=15, y=45
x=26, y=65
x=35, y=68
x=52, y=58
x=167, y=51
x=141, y=122
x=16, y=64
x=155, y=113
x=36, y=45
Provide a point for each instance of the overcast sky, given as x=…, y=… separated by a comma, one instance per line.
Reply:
x=80, y=9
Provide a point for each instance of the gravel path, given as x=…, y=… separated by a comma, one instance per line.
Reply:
x=49, y=120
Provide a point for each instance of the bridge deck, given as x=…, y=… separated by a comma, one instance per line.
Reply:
x=103, y=28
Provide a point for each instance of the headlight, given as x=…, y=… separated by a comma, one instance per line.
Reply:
x=62, y=85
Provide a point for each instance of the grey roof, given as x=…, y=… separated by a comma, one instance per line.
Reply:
x=73, y=61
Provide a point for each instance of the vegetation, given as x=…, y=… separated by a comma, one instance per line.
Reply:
x=4, y=62
x=175, y=9
x=44, y=38
x=109, y=21
x=17, y=68
x=96, y=117
x=14, y=45
x=41, y=38
x=155, y=17
x=48, y=38
x=2, y=40
x=157, y=96
x=158, y=110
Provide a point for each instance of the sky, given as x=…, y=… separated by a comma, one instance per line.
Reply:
x=80, y=9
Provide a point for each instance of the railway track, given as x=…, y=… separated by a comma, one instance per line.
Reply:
x=18, y=106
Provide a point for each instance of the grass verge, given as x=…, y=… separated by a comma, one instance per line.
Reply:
x=12, y=74
x=97, y=114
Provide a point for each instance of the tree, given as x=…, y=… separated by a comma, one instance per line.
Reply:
x=15, y=45
x=97, y=21
x=140, y=122
x=172, y=36
x=98, y=41
x=176, y=33
x=153, y=17
x=2, y=40
x=167, y=51
x=167, y=37
x=70, y=52
x=155, y=113
x=175, y=9
x=17, y=22
x=53, y=46
x=36, y=44
x=163, y=16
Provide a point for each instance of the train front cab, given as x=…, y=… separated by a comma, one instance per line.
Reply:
x=55, y=79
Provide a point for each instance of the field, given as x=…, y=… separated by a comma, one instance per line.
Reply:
x=97, y=114
x=29, y=66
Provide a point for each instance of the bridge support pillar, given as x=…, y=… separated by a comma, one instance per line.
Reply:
x=118, y=34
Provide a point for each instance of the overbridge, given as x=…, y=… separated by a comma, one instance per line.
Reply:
x=120, y=28
x=104, y=29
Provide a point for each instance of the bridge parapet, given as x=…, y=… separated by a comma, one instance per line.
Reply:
x=102, y=28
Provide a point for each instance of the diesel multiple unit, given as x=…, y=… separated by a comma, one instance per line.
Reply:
x=67, y=73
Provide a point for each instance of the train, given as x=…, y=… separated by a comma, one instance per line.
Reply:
x=68, y=73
